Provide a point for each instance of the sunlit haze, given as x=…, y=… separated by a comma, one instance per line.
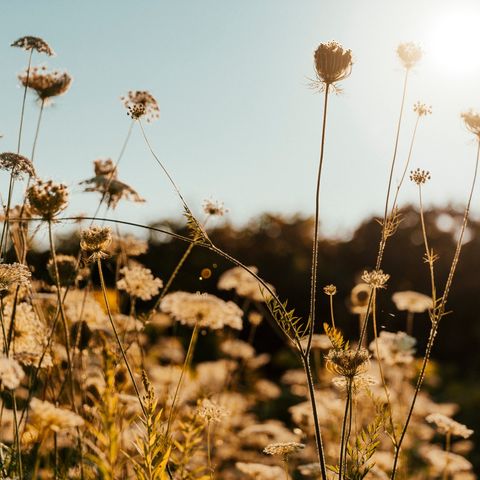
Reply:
x=238, y=120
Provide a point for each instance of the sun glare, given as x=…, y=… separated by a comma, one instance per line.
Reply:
x=454, y=41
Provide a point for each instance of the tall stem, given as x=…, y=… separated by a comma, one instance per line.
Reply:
x=23, y=101
x=343, y=441
x=313, y=280
x=115, y=332
x=316, y=422
x=186, y=364
x=37, y=130
x=437, y=313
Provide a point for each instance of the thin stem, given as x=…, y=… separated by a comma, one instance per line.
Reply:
x=37, y=131
x=392, y=166
x=382, y=375
x=438, y=312
x=313, y=280
x=209, y=459
x=410, y=323
x=316, y=422
x=186, y=364
x=112, y=173
x=344, y=429
x=115, y=332
x=23, y=101
x=332, y=316
x=285, y=468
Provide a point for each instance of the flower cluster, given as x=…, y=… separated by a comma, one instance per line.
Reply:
x=16, y=164
x=94, y=242
x=33, y=43
x=208, y=311
x=141, y=103
x=46, y=84
x=244, y=284
x=139, y=282
x=47, y=199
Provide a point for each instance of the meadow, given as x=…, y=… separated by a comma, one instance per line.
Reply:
x=109, y=371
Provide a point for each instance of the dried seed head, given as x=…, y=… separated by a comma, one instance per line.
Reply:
x=419, y=176
x=330, y=290
x=410, y=54
x=348, y=363
x=16, y=164
x=332, y=63
x=33, y=43
x=422, y=109
x=13, y=274
x=94, y=242
x=105, y=182
x=472, y=121
x=214, y=208
x=47, y=199
x=141, y=103
x=375, y=278
x=211, y=412
x=67, y=270
x=46, y=84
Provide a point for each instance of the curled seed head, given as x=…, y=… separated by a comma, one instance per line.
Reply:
x=348, y=363
x=330, y=290
x=332, y=63
x=94, y=242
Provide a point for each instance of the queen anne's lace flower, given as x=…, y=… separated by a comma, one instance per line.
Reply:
x=11, y=373
x=244, y=284
x=284, y=449
x=210, y=411
x=45, y=416
x=16, y=164
x=394, y=348
x=139, y=282
x=95, y=241
x=447, y=425
x=13, y=274
x=411, y=301
x=46, y=84
x=33, y=43
x=409, y=53
x=208, y=311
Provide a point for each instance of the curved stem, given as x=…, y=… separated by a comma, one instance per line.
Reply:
x=313, y=279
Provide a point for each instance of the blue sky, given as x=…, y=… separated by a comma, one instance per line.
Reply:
x=238, y=122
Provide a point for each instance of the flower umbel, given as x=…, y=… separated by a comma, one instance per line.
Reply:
x=422, y=109
x=94, y=242
x=47, y=199
x=333, y=63
x=46, y=84
x=140, y=103
x=13, y=274
x=330, y=290
x=16, y=164
x=33, y=43
x=420, y=177
x=472, y=121
x=348, y=363
x=376, y=278
x=283, y=449
x=410, y=54
x=139, y=282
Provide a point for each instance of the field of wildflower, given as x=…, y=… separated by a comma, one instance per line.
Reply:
x=109, y=372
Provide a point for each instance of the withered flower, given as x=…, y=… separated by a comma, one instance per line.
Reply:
x=472, y=121
x=46, y=84
x=105, y=182
x=47, y=199
x=141, y=103
x=410, y=54
x=419, y=177
x=16, y=164
x=333, y=63
x=33, y=43
x=94, y=242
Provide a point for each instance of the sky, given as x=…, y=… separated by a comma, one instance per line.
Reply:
x=238, y=120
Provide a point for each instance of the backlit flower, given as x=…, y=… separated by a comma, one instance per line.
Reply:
x=141, y=103
x=409, y=53
x=47, y=199
x=33, y=43
x=472, y=121
x=244, y=284
x=411, y=301
x=332, y=63
x=139, y=282
x=46, y=84
x=16, y=164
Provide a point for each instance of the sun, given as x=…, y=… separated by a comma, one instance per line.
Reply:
x=453, y=42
